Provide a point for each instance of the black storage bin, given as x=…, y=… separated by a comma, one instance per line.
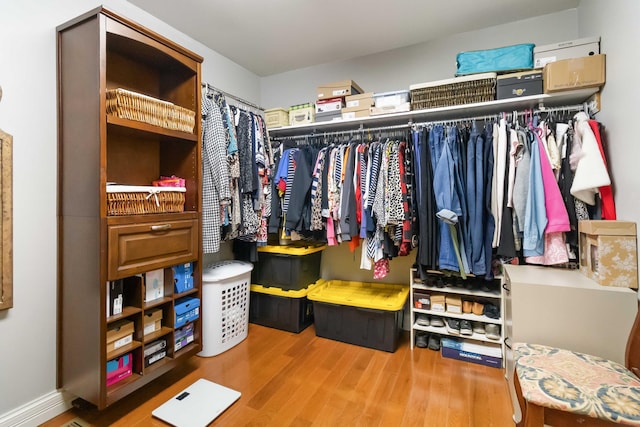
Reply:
x=286, y=310
x=371, y=315
x=286, y=267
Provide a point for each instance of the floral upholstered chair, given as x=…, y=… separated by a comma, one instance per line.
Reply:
x=564, y=388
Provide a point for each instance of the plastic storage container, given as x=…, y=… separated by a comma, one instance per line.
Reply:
x=364, y=314
x=286, y=310
x=225, y=306
x=288, y=267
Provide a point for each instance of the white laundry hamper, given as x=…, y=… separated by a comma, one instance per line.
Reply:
x=225, y=305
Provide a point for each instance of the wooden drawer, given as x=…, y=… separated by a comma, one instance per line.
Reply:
x=137, y=248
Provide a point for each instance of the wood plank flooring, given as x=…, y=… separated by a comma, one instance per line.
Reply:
x=291, y=379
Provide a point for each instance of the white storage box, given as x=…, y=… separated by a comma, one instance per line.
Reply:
x=565, y=50
x=391, y=99
x=302, y=114
x=225, y=306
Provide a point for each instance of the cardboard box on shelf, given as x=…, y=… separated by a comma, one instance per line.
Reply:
x=515, y=85
x=276, y=117
x=119, y=334
x=542, y=55
x=302, y=114
x=576, y=73
x=402, y=108
x=609, y=253
x=329, y=105
x=152, y=321
x=154, y=284
x=338, y=89
x=359, y=101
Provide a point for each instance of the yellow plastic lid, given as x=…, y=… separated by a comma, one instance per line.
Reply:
x=291, y=293
x=379, y=296
x=291, y=250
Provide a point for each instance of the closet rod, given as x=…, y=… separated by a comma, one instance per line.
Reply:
x=230, y=95
x=359, y=130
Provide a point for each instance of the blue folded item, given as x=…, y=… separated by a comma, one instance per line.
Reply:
x=508, y=58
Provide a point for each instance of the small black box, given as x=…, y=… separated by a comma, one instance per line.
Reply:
x=516, y=85
x=287, y=267
x=286, y=310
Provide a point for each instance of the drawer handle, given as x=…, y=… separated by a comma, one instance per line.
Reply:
x=160, y=227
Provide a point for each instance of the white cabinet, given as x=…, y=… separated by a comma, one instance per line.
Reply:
x=563, y=308
x=472, y=289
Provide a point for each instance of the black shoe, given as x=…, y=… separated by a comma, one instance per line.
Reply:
x=491, y=311
x=421, y=340
x=434, y=342
x=465, y=328
x=453, y=326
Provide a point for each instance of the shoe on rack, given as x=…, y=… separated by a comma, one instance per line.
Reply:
x=465, y=328
x=478, y=328
x=421, y=339
x=467, y=306
x=437, y=321
x=453, y=326
x=492, y=331
x=422, y=319
x=434, y=342
x=477, y=308
x=491, y=310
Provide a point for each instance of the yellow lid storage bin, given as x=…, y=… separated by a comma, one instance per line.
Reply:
x=364, y=314
x=287, y=267
x=288, y=310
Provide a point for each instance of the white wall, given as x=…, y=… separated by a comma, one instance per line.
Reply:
x=397, y=69
x=616, y=23
x=28, y=112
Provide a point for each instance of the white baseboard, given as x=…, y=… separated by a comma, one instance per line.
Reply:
x=37, y=411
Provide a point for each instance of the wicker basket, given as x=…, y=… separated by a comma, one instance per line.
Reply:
x=457, y=91
x=135, y=106
x=139, y=200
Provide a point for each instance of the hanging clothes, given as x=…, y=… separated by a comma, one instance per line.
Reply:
x=215, y=175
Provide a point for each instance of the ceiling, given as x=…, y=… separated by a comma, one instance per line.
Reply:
x=273, y=36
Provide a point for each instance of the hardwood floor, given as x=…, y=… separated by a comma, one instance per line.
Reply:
x=291, y=379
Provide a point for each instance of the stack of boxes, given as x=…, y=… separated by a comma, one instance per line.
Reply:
x=281, y=281
x=331, y=99
x=358, y=106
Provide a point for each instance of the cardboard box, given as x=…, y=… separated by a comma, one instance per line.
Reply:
x=359, y=101
x=542, y=55
x=152, y=321
x=276, y=117
x=300, y=115
x=608, y=252
x=576, y=73
x=119, y=334
x=154, y=285
x=329, y=105
x=354, y=114
x=402, y=108
x=187, y=310
x=183, y=336
x=515, y=85
x=437, y=302
x=182, y=277
x=119, y=368
x=467, y=356
x=338, y=89
x=454, y=304
x=328, y=116
x=421, y=299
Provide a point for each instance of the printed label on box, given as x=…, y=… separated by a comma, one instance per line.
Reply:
x=340, y=92
x=354, y=103
x=122, y=342
x=149, y=328
x=157, y=357
x=541, y=62
x=437, y=307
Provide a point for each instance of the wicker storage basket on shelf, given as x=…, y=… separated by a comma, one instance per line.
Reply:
x=138, y=200
x=456, y=91
x=135, y=106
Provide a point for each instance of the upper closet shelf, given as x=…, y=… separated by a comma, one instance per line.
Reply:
x=442, y=113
